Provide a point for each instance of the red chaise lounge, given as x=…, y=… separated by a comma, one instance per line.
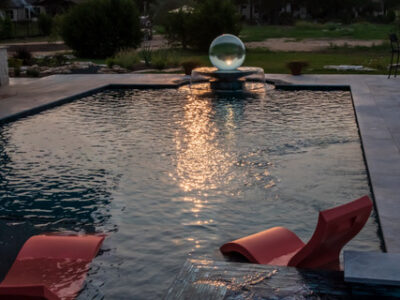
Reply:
x=279, y=246
x=50, y=267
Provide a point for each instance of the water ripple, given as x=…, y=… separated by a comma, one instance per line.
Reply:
x=168, y=174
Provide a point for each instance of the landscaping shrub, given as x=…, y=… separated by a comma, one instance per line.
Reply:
x=178, y=27
x=100, y=28
x=31, y=72
x=59, y=59
x=24, y=55
x=16, y=64
x=56, y=27
x=165, y=59
x=56, y=60
x=173, y=59
x=5, y=28
x=146, y=54
x=160, y=60
x=17, y=72
x=45, y=23
x=125, y=58
x=390, y=17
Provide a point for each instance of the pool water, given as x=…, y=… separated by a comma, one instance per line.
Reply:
x=170, y=175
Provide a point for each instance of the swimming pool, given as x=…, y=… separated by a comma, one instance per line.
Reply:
x=167, y=175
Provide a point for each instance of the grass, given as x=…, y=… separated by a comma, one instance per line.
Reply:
x=125, y=58
x=303, y=30
x=275, y=62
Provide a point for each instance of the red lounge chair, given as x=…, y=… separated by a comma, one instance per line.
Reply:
x=50, y=267
x=279, y=246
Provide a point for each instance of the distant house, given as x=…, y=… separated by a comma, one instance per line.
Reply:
x=22, y=10
x=29, y=10
x=54, y=7
x=250, y=10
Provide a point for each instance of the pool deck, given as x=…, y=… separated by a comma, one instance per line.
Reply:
x=376, y=101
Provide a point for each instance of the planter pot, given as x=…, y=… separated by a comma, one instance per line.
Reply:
x=296, y=67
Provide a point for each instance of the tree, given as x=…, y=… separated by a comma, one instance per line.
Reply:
x=212, y=18
x=161, y=8
x=5, y=28
x=178, y=27
x=208, y=19
x=272, y=9
x=45, y=23
x=100, y=28
x=144, y=6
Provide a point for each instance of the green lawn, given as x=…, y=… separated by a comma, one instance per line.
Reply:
x=302, y=30
x=275, y=62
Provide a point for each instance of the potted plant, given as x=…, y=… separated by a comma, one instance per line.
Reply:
x=296, y=66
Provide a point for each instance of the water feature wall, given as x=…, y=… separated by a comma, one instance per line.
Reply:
x=4, y=80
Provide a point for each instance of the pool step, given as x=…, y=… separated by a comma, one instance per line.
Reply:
x=209, y=279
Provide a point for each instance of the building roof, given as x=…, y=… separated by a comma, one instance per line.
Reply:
x=44, y=2
x=20, y=3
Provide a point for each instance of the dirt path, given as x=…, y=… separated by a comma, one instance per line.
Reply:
x=309, y=45
x=46, y=48
x=157, y=42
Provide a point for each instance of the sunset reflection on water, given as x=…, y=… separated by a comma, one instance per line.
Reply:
x=202, y=164
x=173, y=174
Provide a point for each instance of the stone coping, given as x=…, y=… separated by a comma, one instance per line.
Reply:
x=376, y=102
x=372, y=267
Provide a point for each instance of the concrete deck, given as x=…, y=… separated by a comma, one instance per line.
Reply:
x=376, y=101
x=24, y=95
x=362, y=267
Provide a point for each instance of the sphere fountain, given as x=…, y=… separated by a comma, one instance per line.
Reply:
x=227, y=53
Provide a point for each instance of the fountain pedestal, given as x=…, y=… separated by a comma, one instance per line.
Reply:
x=235, y=85
x=241, y=79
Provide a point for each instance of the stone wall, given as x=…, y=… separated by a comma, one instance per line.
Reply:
x=3, y=67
